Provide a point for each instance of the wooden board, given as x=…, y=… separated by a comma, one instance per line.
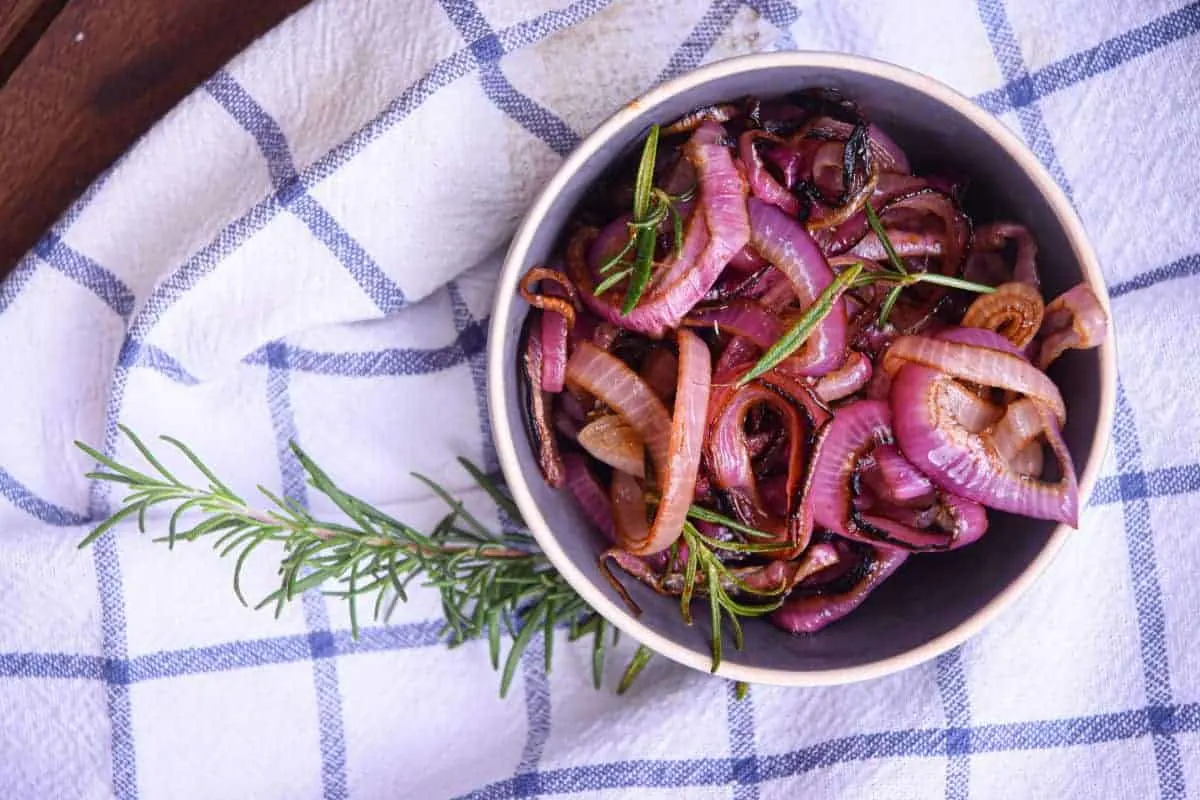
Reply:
x=85, y=78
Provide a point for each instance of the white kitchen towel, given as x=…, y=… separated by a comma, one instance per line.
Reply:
x=306, y=248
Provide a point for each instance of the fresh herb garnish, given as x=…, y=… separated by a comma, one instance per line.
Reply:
x=798, y=334
x=702, y=558
x=650, y=207
x=901, y=277
x=851, y=278
x=490, y=583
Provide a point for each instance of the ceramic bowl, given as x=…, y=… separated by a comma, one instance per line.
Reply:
x=936, y=601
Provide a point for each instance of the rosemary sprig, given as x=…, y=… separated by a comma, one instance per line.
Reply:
x=650, y=207
x=490, y=583
x=702, y=558
x=848, y=279
x=798, y=334
x=901, y=277
x=645, y=235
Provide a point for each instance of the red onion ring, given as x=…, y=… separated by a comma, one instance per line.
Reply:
x=969, y=464
x=786, y=244
x=810, y=613
x=993, y=365
x=729, y=463
x=538, y=403
x=1074, y=320
x=721, y=209
x=762, y=184
x=589, y=495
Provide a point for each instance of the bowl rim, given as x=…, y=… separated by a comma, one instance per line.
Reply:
x=498, y=372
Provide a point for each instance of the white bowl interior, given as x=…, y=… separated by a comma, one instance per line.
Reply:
x=934, y=601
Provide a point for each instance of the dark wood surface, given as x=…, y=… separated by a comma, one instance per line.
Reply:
x=81, y=80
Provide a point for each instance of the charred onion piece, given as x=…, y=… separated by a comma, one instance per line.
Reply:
x=1014, y=311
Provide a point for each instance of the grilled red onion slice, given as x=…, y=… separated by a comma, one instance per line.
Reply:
x=628, y=509
x=781, y=575
x=721, y=210
x=889, y=187
x=969, y=464
x=893, y=479
x=741, y=317
x=589, y=495
x=762, y=183
x=678, y=481
x=538, y=403
x=852, y=433
x=554, y=345
x=846, y=380
x=844, y=449
x=611, y=440
x=747, y=260
x=1074, y=320
x=786, y=244
x=674, y=442
x=732, y=471
x=994, y=237
x=607, y=378
x=1015, y=311
x=810, y=613
x=949, y=523
x=994, y=365
x=557, y=299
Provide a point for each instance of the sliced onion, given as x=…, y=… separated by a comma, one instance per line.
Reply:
x=723, y=112
x=847, y=379
x=629, y=509
x=893, y=479
x=562, y=302
x=842, y=451
x=554, y=345
x=695, y=239
x=762, y=183
x=589, y=495
x=721, y=211
x=791, y=162
x=678, y=480
x=980, y=365
x=1014, y=311
x=786, y=244
x=853, y=432
x=538, y=403
x=889, y=187
x=994, y=237
x=740, y=317
x=729, y=462
x=810, y=613
x=612, y=441
x=951, y=523
x=674, y=443
x=1029, y=461
x=557, y=298
x=1020, y=427
x=747, y=260
x=781, y=575
x=969, y=464
x=607, y=378
x=907, y=244
x=1075, y=320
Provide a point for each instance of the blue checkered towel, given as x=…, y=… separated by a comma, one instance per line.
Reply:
x=286, y=257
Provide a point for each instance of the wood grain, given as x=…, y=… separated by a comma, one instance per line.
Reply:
x=98, y=77
x=22, y=23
